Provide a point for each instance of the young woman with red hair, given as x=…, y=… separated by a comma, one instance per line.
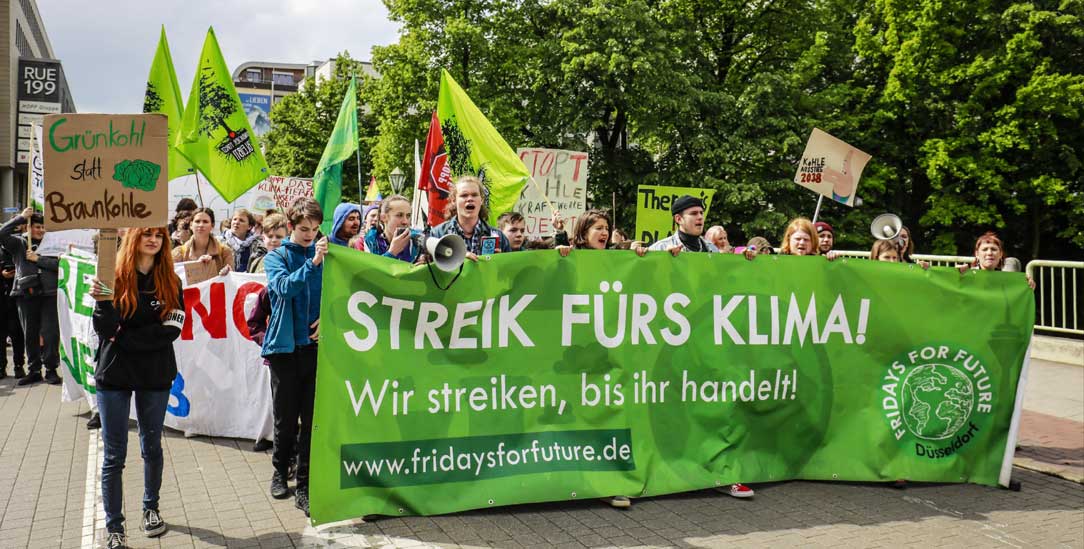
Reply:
x=136, y=330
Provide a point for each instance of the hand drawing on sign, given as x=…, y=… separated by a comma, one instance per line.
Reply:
x=137, y=174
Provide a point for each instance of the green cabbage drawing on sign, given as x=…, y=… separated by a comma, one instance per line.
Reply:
x=137, y=174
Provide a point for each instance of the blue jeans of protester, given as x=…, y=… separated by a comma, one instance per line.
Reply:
x=113, y=407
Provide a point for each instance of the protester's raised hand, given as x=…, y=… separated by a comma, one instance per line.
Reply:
x=639, y=248
x=27, y=213
x=963, y=267
x=472, y=256
x=205, y=258
x=831, y=255
x=1031, y=281
x=564, y=250
x=750, y=253
x=557, y=221
x=321, y=251
x=224, y=271
x=32, y=256
x=315, y=335
x=925, y=265
x=675, y=250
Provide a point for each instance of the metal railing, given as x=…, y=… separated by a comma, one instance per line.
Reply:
x=1058, y=300
x=933, y=260
x=1056, y=293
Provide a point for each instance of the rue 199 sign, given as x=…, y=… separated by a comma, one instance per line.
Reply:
x=39, y=94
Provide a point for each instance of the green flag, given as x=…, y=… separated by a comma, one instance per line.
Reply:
x=475, y=147
x=328, y=181
x=214, y=134
x=164, y=95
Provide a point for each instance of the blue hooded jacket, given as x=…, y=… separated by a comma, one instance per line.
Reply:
x=341, y=211
x=293, y=285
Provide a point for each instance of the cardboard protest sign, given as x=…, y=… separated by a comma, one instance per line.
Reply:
x=653, y=218
x=198, y=271
x=562, y=176
x=831, y=168
x=105, y=171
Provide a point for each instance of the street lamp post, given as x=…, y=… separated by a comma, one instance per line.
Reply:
x=397, y=179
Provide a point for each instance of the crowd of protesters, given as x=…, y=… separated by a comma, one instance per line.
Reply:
x=138, y=319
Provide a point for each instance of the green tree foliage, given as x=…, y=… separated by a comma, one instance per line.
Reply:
x=973, y=111
x=301, y=124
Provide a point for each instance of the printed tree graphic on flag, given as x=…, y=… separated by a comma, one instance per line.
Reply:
x=152, y=102
x=215, y=105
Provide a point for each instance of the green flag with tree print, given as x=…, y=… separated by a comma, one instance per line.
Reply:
x=164, y=96
x=215, y=135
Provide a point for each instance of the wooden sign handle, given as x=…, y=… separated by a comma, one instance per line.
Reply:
x=107, y=260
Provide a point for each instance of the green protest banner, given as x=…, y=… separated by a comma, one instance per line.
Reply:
x=540, y=378
x=653, y=218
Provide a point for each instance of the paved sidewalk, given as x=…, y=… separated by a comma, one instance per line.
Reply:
x=214, y=494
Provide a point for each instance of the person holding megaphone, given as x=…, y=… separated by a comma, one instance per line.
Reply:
x=393, y=237
x=468, y=214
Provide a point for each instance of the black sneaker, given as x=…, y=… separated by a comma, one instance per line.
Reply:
x=95, y=421
x=115, y=540
x=301, y=500
x=262, y=445
x=153, y=525
x=29, y=379
x=19, y=372
x=52, y=378
x=278, y=486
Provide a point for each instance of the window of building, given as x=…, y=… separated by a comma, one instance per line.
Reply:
x=254, y=75
x=284, y=78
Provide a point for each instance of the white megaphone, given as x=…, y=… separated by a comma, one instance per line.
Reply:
x=886, y=226
x=448, y=251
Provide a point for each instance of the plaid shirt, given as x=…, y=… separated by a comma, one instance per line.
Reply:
x=474, y=243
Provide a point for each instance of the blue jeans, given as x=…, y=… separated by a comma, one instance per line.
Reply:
x=113, y=407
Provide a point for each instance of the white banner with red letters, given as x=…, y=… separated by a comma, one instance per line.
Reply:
x=222, y=386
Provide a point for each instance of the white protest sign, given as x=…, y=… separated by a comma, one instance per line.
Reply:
x=273, y=192
x=56, y=243
x=222, y=387
x=562, y=176
x=831, y=167
x=36, y=176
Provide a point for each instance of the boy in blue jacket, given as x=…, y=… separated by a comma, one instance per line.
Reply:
x=294, y=272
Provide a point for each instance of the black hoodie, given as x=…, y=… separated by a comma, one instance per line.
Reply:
x=136, y=353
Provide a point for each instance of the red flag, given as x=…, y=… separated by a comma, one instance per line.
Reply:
x=436, y=176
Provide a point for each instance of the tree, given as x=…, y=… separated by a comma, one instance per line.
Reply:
x=302, y=122
x=979, y=109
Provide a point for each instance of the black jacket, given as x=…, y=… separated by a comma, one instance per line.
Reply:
x=30, y=278
x=136, y=353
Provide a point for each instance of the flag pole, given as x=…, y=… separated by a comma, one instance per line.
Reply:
x=199, y=193
x=357, y=151
x=539, y=189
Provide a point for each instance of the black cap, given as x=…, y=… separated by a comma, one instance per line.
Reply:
x=684, y=203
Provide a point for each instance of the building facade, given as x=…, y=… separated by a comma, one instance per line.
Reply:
x=262, y=84
x=32, y=84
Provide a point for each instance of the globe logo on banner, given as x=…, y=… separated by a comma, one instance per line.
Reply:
x=939, y=397
x=937, y=401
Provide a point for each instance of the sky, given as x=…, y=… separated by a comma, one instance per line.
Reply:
x=106, y=46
